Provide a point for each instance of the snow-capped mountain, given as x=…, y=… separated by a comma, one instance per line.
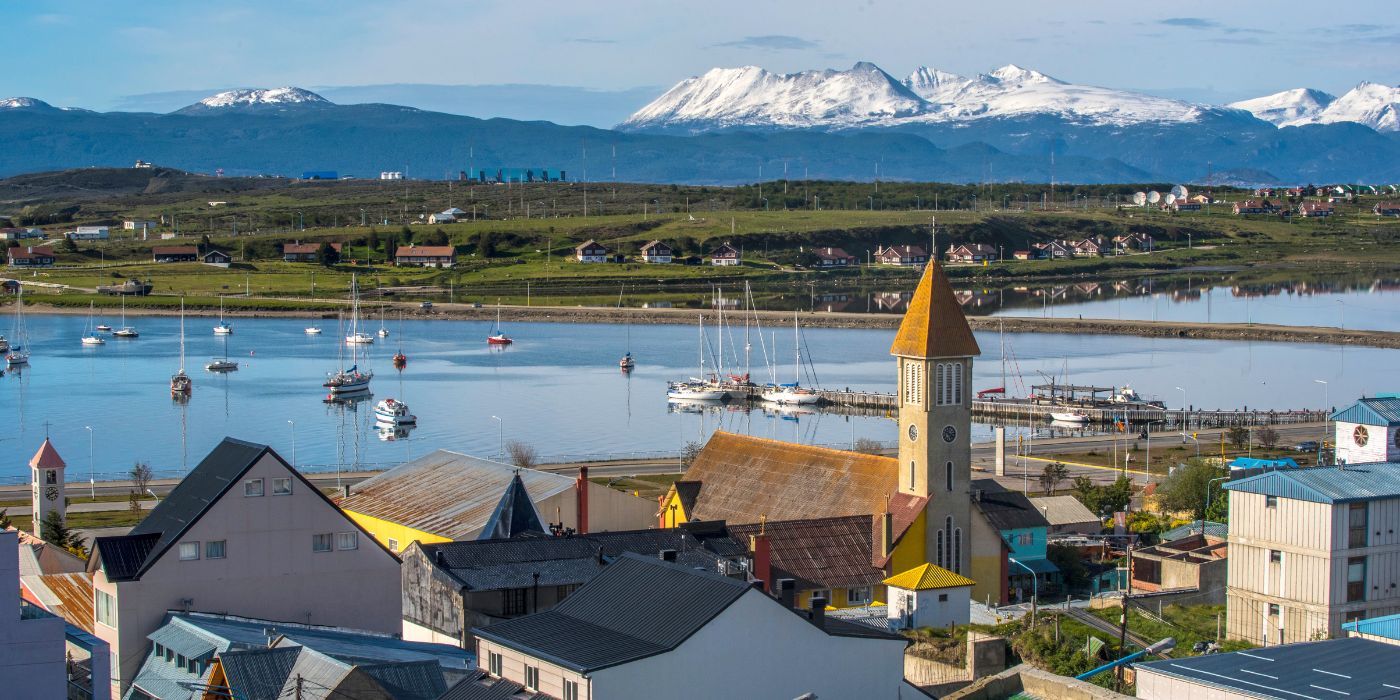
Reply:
x=1288, y=108
x=23, y=103
x=1376, y=106
x=865, y=95
x=257, y=99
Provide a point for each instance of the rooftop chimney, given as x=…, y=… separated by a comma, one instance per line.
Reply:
x=819, y=611
x=762, y=557
x=345, y=490
x=668, y=555
x=440, y=558
x=787, y=592
x=581, y=491
x=886, y=533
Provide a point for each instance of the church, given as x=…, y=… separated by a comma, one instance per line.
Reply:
x=918, y=504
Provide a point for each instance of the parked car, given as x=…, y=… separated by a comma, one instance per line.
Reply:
x=1306, y=446
x=426, y=305
x=476, y=305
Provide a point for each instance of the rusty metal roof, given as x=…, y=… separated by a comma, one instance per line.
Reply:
x=447, y=494
x=821, y=552
x=744, y=479
x=934, y=325
x=67, y=595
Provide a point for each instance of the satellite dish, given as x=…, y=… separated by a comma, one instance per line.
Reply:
x=1140, y=198
x=1154, y=196
x=1179, y=191
x=1170, y=200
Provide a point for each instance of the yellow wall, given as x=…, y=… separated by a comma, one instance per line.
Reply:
x=986, y=560
x=680, y=516
x=383, y=531
x=838, y=599
x=911, y=551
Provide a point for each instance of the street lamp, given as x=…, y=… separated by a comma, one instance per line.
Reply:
x=502, y=451
x=92, y=475
x=872, y=201
x=1208, y=492
x=294, y=442
x=1035, y=585
x=1183, y=414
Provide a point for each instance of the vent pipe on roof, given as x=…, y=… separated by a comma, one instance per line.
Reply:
x=668, y=555
x=819, y=611
x=440, y=558
x=761, y=555
x=581, y=491
x=787, y=592
x=345, y=490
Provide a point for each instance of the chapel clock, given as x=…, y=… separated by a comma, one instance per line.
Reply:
x=913, y=433
x=51, y=493
x=949, y=433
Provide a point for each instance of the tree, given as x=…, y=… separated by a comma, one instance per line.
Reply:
x=1189, y=486
x=373, y=242
x=68, y=245
x=1268, y=437
x=522, y=454
x=1054, y=473
x=486, y=244
x=56, y=532
x=1116, y=496
x=391, y=247
x=5, y=522
x=327, y=254
x=1238, y=436
x=437, y=237
x=689, y=453
x=140, y=476
x=868, y=446
x=1070, y=564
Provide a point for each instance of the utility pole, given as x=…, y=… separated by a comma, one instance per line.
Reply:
x=1123, y=619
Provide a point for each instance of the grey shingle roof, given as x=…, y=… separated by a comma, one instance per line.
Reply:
x=123, y=556
x=635, y=608
x=1356, y=482
x=409, y=680
x=1379, y=410
x=821, y=552
x=1354, y=668
x=1005, y=510
x=258, y=674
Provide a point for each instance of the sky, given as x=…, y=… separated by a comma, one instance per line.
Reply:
x=104, y=55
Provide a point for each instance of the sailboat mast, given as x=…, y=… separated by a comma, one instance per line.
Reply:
x=796, y=354
x=719, y=302
x=182, y=334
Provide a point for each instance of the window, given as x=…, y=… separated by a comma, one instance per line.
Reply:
x=106, y=609
x=570, y=690
x=192, y=666
x=1274, y=610
x=1356, y=525
x=347, y=540
x=938, y=557
x=1271, y=501
x=321, y=542
x=1356, y=579
x=957, y=381
x=160, y=650
x=189, y=551
x=562, y=592
x=214, y=549
x=957, y=551
x=493, y=663
x=913, y=383
x=913, y=478
x=858, y=596
x=948, y=476
x=1275, y=556
x=532, y=677
x=253, y=487
x=179, y=659
x=942, y=597
x=282, y=486
x=393, y=545
x=513, y=601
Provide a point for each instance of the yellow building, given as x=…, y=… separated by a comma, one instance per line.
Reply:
x=917, y=503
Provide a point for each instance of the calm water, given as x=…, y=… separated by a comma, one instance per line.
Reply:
x=557, y=388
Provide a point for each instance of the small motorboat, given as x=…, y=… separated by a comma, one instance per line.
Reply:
x=93, y=340
x=221, y=364
x=103, y=328
x=125, y=332
x=627, y=363
x=400, y=360
x=313, y=330
x=181, y=384
x=1074, y=417
x=223, y=329
x=383, y=332
x=393, y=412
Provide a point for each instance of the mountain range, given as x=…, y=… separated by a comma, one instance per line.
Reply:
x=730, y=125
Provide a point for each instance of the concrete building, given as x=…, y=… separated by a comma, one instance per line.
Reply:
x=1193, y=563
x=32, y=662
x=646, y=628
x=1359, y=669
x=242, y=534
x=1369, y=430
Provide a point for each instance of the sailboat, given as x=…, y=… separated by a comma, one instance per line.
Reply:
x=223, y=328
x=18, y=351
x=498, y=336
x=793, y=393
x=180, y=383
x=222, y=364
x=698, y=388
x=383, y=332
x=345, y=383
x=89, y=336
x=125, y=331
x=357, y=336
x=627, y=363
x=400, y=359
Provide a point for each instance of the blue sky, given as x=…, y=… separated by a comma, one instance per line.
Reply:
x=96, y=54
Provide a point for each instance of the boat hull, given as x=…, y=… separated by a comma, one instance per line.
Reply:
x=784, y=397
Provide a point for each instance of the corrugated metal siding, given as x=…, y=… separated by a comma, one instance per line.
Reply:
x=1373, y=411
x=1359, y=482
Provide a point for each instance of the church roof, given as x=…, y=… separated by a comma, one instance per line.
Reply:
x=934, y=325
x=927, y=577
x=47, y=457
x=515, y=514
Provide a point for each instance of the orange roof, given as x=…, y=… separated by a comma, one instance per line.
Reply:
x=68, y=595
x=47, y=457
x=934, y=325
x=437, y=251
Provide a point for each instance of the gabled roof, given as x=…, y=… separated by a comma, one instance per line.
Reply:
x=175, y=250
x=656, y=244
x=927, y=577
x=820, y=552
x=258, y=674
x=46, y=458
x=448, y=494
x=306, y=248
x=934, y=325
x=1005, y=510
x=515, y=514
x=1355, y=482
x=636, y=608
x=686, y=493
x=67, y=595
x=1063, y=510
x=436, y=251
x=590, y=243
x=1379, y=410
x=1353, y=668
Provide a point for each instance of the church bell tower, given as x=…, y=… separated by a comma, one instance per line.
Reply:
x=933, y=354
x=46, y=470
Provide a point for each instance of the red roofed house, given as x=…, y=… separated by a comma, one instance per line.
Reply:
x=1313, y=210
x=972, y=253
x=1386, y=209
x=426, y=256
x=1254, y=206
x=902, y=255
x=834, y=257
x=304, y=252
x=32, y=256
x=174, y=253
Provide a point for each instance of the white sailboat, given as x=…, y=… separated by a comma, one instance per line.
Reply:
x=90, y=337
x=698, y=388
x=383, y=332
x=223, y=328
x=348, y=382
x=357, y=336
x=313, y=330
x=792, y=394
x=222, y=364
x=125, y=331
x=627, y=363
x=180, y=383
x=18, y=351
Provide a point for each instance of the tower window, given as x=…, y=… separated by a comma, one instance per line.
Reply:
x=948, y=475
x=938, y=557
x=913, y=474
x=957, y=551
x=957, y=383
x=948, y=384
x=913, y=383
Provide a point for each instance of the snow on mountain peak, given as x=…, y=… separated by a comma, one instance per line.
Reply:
x=1288, y=108
x=1372, y=104
x=262, y=96
x=21, y=103
x=1012, y=73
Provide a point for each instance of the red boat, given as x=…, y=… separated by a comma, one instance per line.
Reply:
x=400, y=360
x=499, y=339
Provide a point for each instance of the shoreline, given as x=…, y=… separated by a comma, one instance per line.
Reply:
x=816, y=319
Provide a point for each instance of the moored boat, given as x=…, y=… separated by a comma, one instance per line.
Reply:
x=313, y=330
x=221, y=364
x=1076, y=417
x=223, y=328
x=789, y=395
x=181, y=386
x=394, y=412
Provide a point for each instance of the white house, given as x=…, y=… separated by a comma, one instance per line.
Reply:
x=929, y=596
x=139, y=224
x=725, y=255
x=657, y=252
x=243, y=534
x=88, y=233
x=1369, y=430
x=649, y=628
x=32, y=662
x=591, y=251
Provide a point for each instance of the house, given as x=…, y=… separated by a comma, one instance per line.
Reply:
x=1053, y=250
x=591, y=251
x=657, y=252
x=1009, y=537
x=88, y=233
x=447, y=496
x=833, y=257
x=174, y=253
x=1133, y=241
x=1021, y=254
x=642, y=624
x=1354, y=668
x=1184, y=205
x=902, y=255
x=242, y=534
x=917, y=504
x=447, y=216
x=1087, y=248
x=1385, y=629
x=972, y=253
x=1369, y=430
x=32, y=256
x=724, y=255
x=828, y=558
x=1192, y=563
x=928, y=596
x=217, y=258
x=33, y=664
x=222, y=657
x=426, y=256
x=305, y=252
x=1313, y=210
x=1254, y=206
x=139, y=225
x=1067, y=516
x=1386, y=209
x=19, y=234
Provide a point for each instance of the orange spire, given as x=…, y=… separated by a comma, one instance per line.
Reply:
x=934, y=325
x=46, y=458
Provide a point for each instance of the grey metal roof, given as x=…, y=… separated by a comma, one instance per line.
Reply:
x=163, y=679
x=1005, y=510
x=481, y=686
x=122, y=556
x=317, y=674
x=1064, y=510
x=258, y=674
x=637, y=607
x=187, y=640
x=356, y=646
x=1379, y=410
x=1353, y=668
x=409, y=680
x=1355, y=482
x=1213, y=529
x=515, y=514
